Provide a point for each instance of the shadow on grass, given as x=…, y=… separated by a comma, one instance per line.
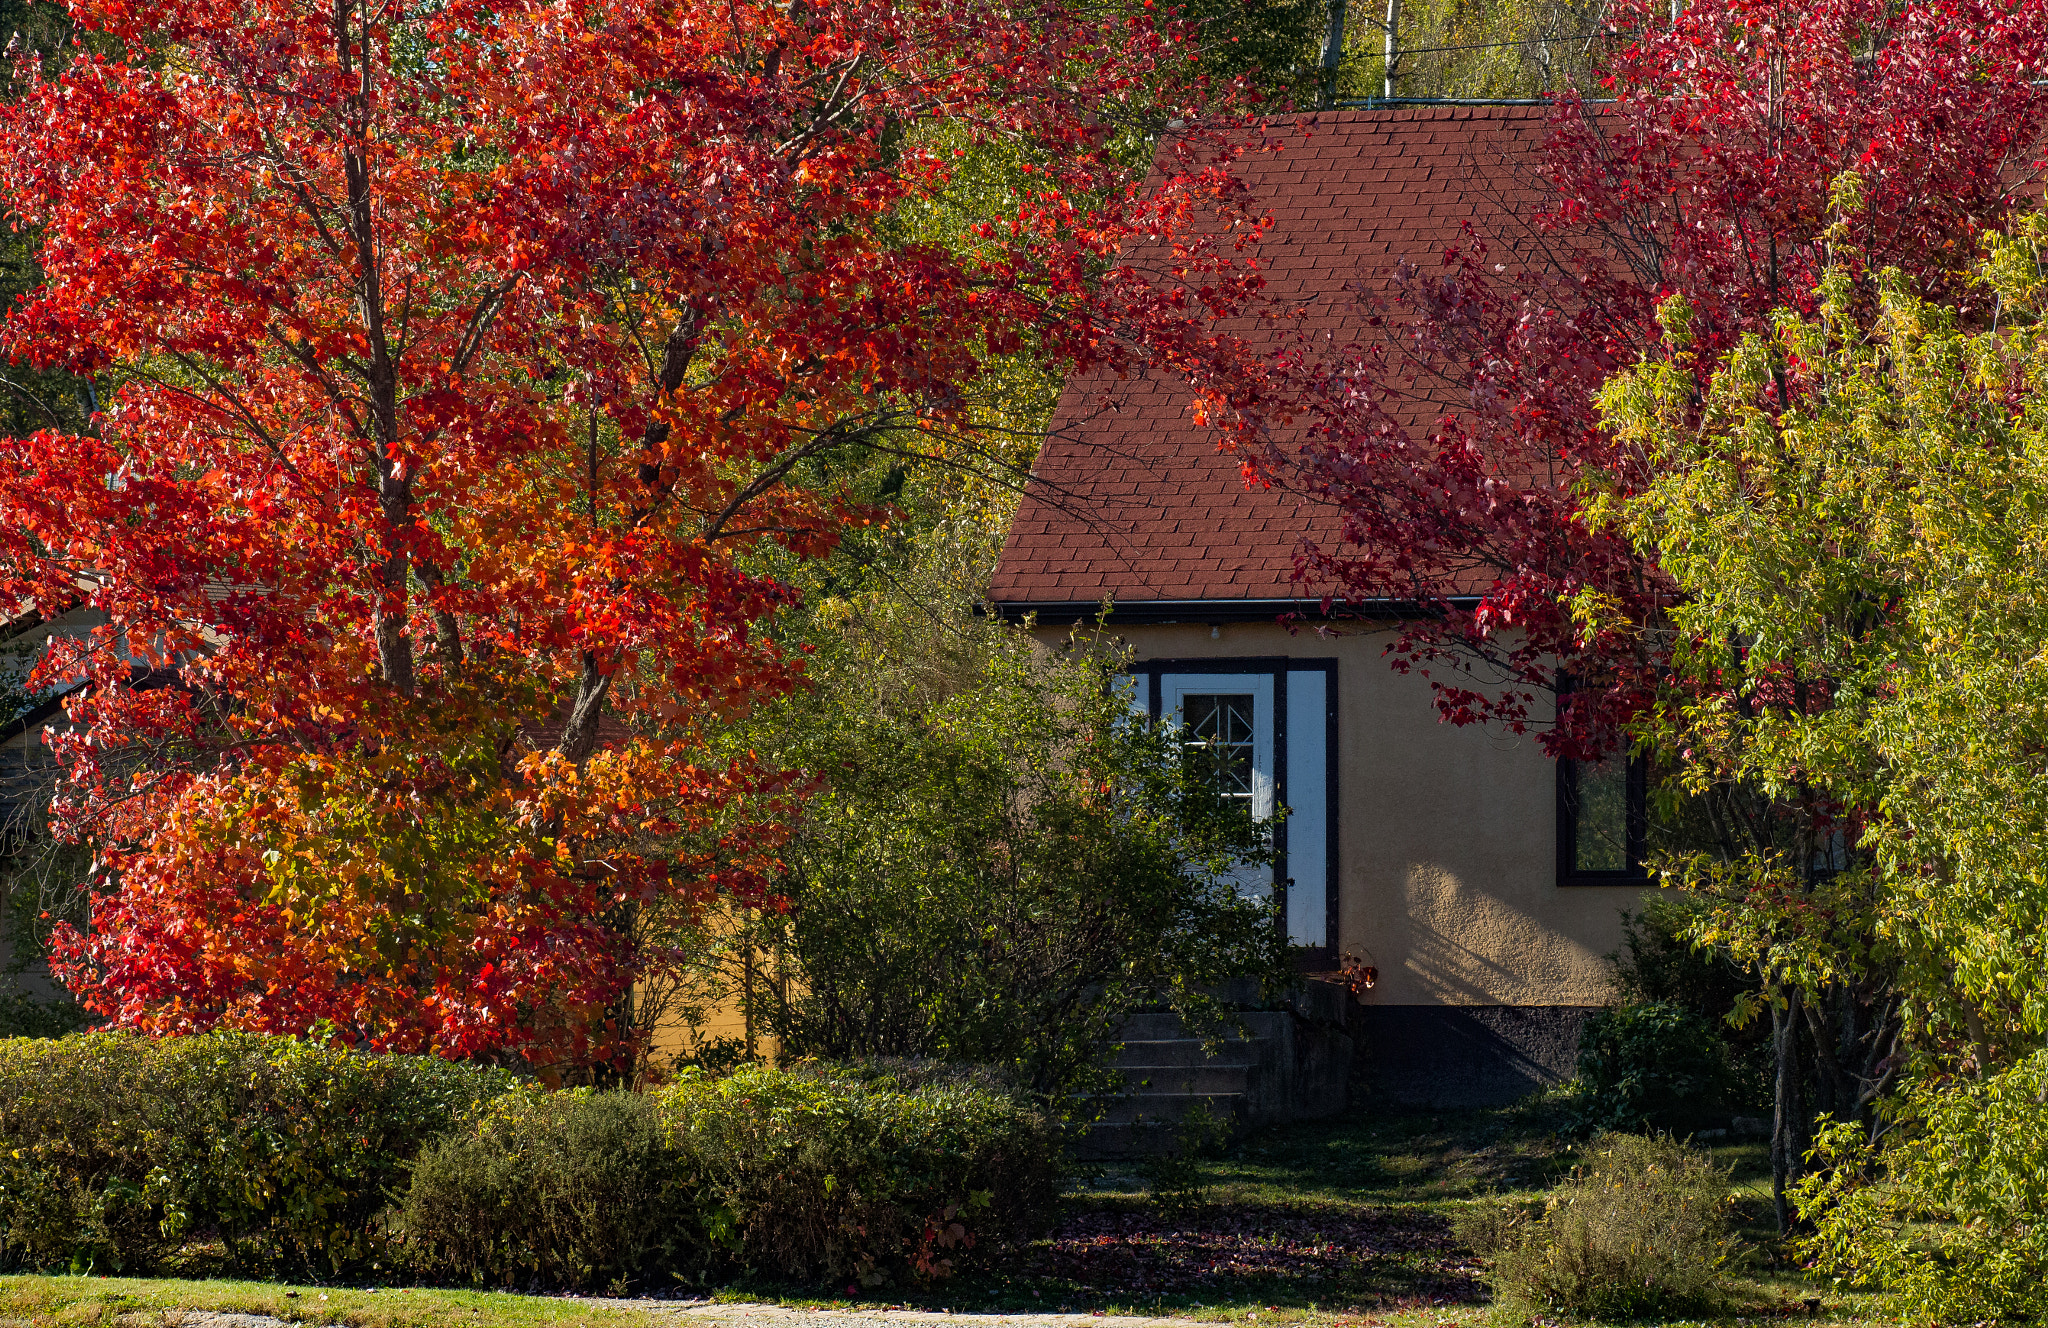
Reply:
x=1324, y=1224
x=1345, y=1215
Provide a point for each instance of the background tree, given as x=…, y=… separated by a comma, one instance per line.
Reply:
x=455, y=361
x=1473, y=48
x=1708, y=176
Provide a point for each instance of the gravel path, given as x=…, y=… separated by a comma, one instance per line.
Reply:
x=707, y=1314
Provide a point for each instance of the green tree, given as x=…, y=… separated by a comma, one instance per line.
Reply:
x=1471, y=48
x=1005, y=859
x=1857, y=516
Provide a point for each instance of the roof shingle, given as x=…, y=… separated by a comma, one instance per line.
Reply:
x=1130, y=496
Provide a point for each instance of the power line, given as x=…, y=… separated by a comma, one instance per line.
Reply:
x=1406, y=51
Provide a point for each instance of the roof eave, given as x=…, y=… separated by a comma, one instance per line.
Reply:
x=1149, y=612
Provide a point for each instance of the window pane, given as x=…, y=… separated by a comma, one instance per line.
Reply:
x=1600, y=843
x=1218, y=741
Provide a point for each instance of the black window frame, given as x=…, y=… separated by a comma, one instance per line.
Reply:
x=1637, y=813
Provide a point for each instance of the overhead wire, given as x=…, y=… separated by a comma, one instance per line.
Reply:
x=1523, y=41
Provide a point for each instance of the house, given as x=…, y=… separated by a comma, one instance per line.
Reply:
x=1454, y=861
x=28, y=770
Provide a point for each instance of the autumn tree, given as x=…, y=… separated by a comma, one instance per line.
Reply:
x=1706, y=175
x=31, y=400
x=455, y=363
x=1854, y=513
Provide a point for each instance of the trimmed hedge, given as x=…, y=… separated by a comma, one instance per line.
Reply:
x=572, y=1189
x=867, y=1172
x=114, y=1149
x=873, y=1173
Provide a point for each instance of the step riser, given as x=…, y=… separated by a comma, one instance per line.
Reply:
x=1169, y=1108
x=1113, y=1140
x=1187, y=1078
x=1186, y=1051
x=1163, y=1027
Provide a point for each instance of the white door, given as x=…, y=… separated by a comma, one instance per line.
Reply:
x=1230, y=714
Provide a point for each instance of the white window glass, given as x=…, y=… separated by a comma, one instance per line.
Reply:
x=1307, y=795
x=1226, y=720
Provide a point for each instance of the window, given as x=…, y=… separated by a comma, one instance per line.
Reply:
x=1218, y=734
x=1602, y=821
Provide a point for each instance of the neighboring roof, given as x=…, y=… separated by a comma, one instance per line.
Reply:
x=1130, y=497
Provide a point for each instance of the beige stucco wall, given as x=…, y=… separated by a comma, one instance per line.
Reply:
x=1446, y=859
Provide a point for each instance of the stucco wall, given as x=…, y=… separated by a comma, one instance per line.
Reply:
x=1447, y=865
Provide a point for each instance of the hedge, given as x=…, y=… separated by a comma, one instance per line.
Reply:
x=870, y=1172
x=116, y=1150
x=570, y=1188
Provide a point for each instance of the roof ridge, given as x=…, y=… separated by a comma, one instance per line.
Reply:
x=1416, y=112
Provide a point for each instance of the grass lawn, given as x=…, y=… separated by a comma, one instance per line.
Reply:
x=134, y=1302
x=1348, y=1222
x=1340, y=1224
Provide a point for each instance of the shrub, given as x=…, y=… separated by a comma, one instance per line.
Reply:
x=1950, y=1219
x=1174, y=1174
x=1652, y=1066
x=1642, y=1228
x=869, y=1172
x=572, y=1189
x=1005, y=863
x=115, y=1148
x=1661, y=961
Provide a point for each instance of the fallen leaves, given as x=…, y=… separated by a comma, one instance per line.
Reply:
x=1380, y=1256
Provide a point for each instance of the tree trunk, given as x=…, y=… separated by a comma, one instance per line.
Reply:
x=1788, y=1114
x=579, y=732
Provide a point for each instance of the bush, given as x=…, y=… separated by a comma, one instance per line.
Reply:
x=1005, y=863
x=114, y=1148
x=1950, y=1219
x=1641, y=1229
x=867, y=1172
x=1174, y=1174
x=1652, y=1066
x=1659, y=962
x=574, y=1189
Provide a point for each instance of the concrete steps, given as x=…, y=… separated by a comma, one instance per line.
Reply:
x=1168, y=1073
x=1211, y=1079
x=1290, y=1065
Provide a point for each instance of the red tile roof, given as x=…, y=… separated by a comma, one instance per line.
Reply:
x=1129, y=497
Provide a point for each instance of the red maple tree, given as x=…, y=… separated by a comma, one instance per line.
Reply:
x=456, y=360
x=1708, y=174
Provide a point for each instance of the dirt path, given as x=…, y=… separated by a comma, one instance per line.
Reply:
x=710, y=1314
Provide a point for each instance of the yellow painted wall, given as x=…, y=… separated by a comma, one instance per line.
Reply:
x=1447, y=857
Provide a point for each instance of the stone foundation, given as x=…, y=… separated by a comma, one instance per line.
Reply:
x=1461, y=1055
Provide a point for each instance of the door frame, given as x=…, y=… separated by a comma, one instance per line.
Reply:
x=1279, y=666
